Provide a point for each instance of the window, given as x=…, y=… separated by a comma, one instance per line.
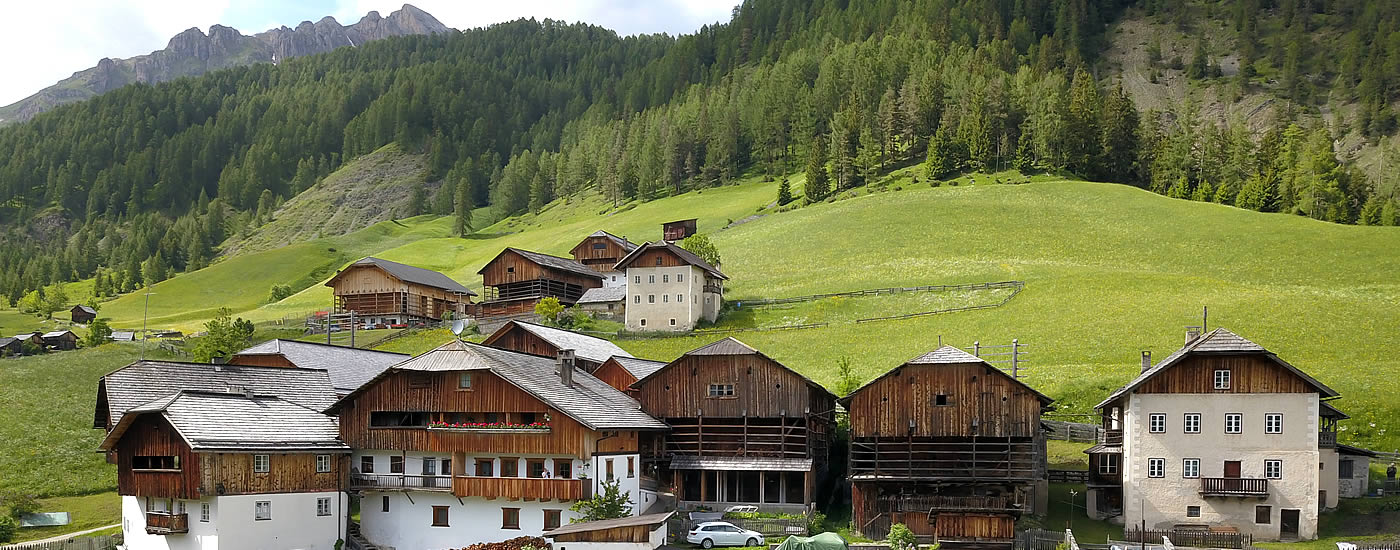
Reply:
x=940, y=400
x=665, y=278
x=1191, y=423
x=658, y=260
x=510, y=269
x=398, y=419
x=1273, y=423
x=446, y=467
x=429, y=467
x=510, y=467
x=534, y=468
x=323, y=464
x=673, y=322
x=680, y=277
x=637, y=299
x=1157, y=423
x=563, y=468
x=721, y=390
x=1191, y=467
x=204, y=512
x=1263, y=514
x=680, y=298
x=440, y=516
x=155, y=463
x=464, y=381
x=323, y=506
x=637, y=279
x=651, y=298
x=419, y=381
x=1156, y=467
x=1233, y=422
x=631, y=467
x=262, y=510
x=644, y=322
x=261, y=464
x=1273, y=469
x=179, y=507
x=651, y=279
x=665, y=298
x=551, y=519
x=1193, y=511
x=600, y=246
x=609, y=463
x=396, y=464
x=384, y=504
x=1345, y=469
x=1108, y=464
x=510, y=518
x=367, y=464
x=1222, y=379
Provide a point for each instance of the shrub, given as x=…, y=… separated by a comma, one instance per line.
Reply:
x=279, y=292
x=8, y=526
x=900, y=537
x=20, y=504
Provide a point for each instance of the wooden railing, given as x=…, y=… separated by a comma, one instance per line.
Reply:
x=400, y=481
x=896, y=458
x=1326, y=439
x=1112, y=437
x=518, y=488
x=1234, y=486
x=162, y=523
x=1197, y=538
x=944, y=503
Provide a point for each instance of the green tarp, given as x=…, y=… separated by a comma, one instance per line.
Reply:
x=821, y=541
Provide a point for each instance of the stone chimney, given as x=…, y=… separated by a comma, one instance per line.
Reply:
x=566, y=367
x=1146, y=360
x=1192, y=334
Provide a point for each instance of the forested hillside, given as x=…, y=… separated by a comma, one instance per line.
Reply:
x=147, y=181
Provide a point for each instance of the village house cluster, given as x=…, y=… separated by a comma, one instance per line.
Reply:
x=486, y=442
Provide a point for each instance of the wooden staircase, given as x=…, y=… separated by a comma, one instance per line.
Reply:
x=354, y=540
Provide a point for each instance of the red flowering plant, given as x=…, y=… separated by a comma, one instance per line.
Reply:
x=489, y=425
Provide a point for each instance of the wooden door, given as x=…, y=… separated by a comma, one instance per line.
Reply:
x=1232, y=468
x=1288, y=524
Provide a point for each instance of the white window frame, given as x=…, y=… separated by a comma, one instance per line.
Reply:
x=323, y=507
x=651, y=279
x=665, y=298
x=1191, y=423
x=464, y=381
x=651, y=298
x=1273, y=468
x=665, y=278
x=204, y=514
x=673, y=322
x=262, y=510
x=1237, y=424
x=1156, y=467
x=1190, y=468
x=1157, y=423
x=637, y=298
x=680, y=298
x=1222, y=379
x=1273, y=423
x=680, y=277
x=1108, y=464
x=262, y=464
x=637, y=279
x=323, y=464
x=721, y=389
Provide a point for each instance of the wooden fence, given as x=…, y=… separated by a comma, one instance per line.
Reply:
x=1072, y=431
x=1378, y=545
x=1190, y=537
x=1039, y=539
x=1069, y=476
x=105, y=542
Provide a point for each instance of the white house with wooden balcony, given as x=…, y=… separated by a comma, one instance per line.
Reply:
x=1222, y=434
x=470, y=443
x=669, y=288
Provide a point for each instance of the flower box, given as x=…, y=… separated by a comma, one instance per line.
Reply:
x=484, y=427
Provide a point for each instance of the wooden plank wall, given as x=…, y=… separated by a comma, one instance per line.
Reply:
x=495, y=273
x=649, y=258
x=762, y=387
x=635, y=533
x=543, y=490
x=515, y=338
x=975, y=526
x=288, y=473
x=599, y=259
x=152, y=435
x=1002, y=407
x=615, y=375
x=1248, y=374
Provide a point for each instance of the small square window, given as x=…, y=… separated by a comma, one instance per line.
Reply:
x=510, y=467
x=534, y=468
x=673, y=322
x=665, y=278
x=658, y=260
x=510, y=518
x=367, y=464
x=204, y=512
x=323, y=507
x=1108, y=464
x=940, y=400
x=1222, y=379
x=563, y=468
x=1273, y=423
x=464, y=381
x=323, y=464
x=651, y=279
x=551, y=519
x=1263, y=515
x=1193, y=511
x=484, y=467
x=1156, y=467
x=651, y=298
x=510, y=269
x=396, y=464
x=261, y=464
x=262, y=510
x=440, y=516
x=1191, y=423
x=1233, y=423
x=1157, y=423
x=1273, y=469
x=644, y=322
x=721, y=390
x=1191, y=467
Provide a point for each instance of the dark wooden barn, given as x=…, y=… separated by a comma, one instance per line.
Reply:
x=83, y=314
x=515, y=280
x=60, y=340
x=679, y=229
x=601, y=251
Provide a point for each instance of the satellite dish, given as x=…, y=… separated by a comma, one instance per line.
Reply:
x=458, y=326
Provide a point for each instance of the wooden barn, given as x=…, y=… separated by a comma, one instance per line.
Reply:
x=36, y=338
x=677, y=230
x=60, y=340
x=515, y=280
x=601, y=251
x=83, y=314
x=621, y=372
x=349, y=368
x=630, y=533
x=950, y=446
x=744, y=428
x=390, y=293
x=10, y=346
x=535, y=339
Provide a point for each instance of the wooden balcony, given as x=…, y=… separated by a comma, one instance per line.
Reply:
x=400, y=482
x=1326, y=439
x=518, y=488
x=774, y=438
x=1111, y=437
x=943, y=503
x=903, y=459
x=1234, y=487
x=163, y=523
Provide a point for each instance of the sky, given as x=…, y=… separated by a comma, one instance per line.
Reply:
x=55, y=41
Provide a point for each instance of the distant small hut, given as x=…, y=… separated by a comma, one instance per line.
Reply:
x=83, y=314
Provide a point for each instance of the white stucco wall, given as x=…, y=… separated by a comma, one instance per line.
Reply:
x=1327, y=476
x=614, y=279
x=1163, y=501
x=231, y=526
x=654, y=294
x=408, y=525
x=1357, y=485
x=597, y=472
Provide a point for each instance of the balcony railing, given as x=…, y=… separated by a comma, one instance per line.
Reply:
x=1111, y=437
x=163, y=523
x=1326, y=440
x=942, y=503
x=400, y=482
x=515, y=488
x=1234, y=487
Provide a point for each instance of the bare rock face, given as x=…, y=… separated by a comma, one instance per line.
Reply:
x=192, y=52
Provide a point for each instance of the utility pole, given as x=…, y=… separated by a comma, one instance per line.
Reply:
x=145, y=315
x=1015, y=364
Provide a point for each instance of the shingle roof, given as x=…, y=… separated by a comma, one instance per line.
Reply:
x=1216, y=341
x=7, y=341
x=415, y=275
x=85, y=309
x=1328, y=410
x=604, y=295
x=210, y=421
x=948, y=355
x=732, y=346
x=640, y=368
x=589, y=400
x=601, y=525
x=592, y=348
x=627, y=246
x=123, y=335
x=685, y=256
x=552, y=262
x=1355, y=451
x=58, y=333
x=349, y=368
x=691, y=462
x=144, y=381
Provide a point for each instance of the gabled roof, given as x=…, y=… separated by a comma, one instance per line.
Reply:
x=144, y=381
x=591, y=348
x=349, y=368
x=58, y=333
x=603, y=295
x=410, y=274
x=7, y=341
x=1218, y=341
x=215, y=421
x=731, y=346
x=685, y=256
x=605, y=524
x=85, y=309
x=552, y=262
x=639, y=368
x=1355, y=451
x=949, y=355
x=627, y=246
x=1330, y=411
x=123, y=335
x=589, y=400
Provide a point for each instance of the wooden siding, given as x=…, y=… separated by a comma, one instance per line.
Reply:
x=762, y=387
x=518, y=488
x=152, y=435
x=650, y=257
x=615, y=375
x=370, y=290
x=1248, y=374
x=261, y=360
x=497, y=273
x=287, y=473
x=489, y=393
x=598, y=259
x=634, y=533
x=524, y=341
x=677, y=230
x=975, y=526
x=974, y=393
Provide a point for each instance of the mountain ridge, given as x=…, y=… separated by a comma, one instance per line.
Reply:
x=193, y=52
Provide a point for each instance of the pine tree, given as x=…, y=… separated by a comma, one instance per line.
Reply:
x=1119, y=140
x=1082, y=147
x=1204, y=192
x=1200, y=62
x=1181, y=189
x=463, y=221
x=818, y=182
x=784, y=192
x=417, y=201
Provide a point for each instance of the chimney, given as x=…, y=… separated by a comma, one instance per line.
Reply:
x=247, y=392
x=566, y=367
x=1146, y=360
x=1192, y=333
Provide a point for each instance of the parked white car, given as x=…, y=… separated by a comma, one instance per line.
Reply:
x=721, y=533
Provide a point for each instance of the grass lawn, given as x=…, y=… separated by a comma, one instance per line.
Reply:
x=1067, y=512
x=1067, y=455
x=1354, y=520
x=86, y=512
